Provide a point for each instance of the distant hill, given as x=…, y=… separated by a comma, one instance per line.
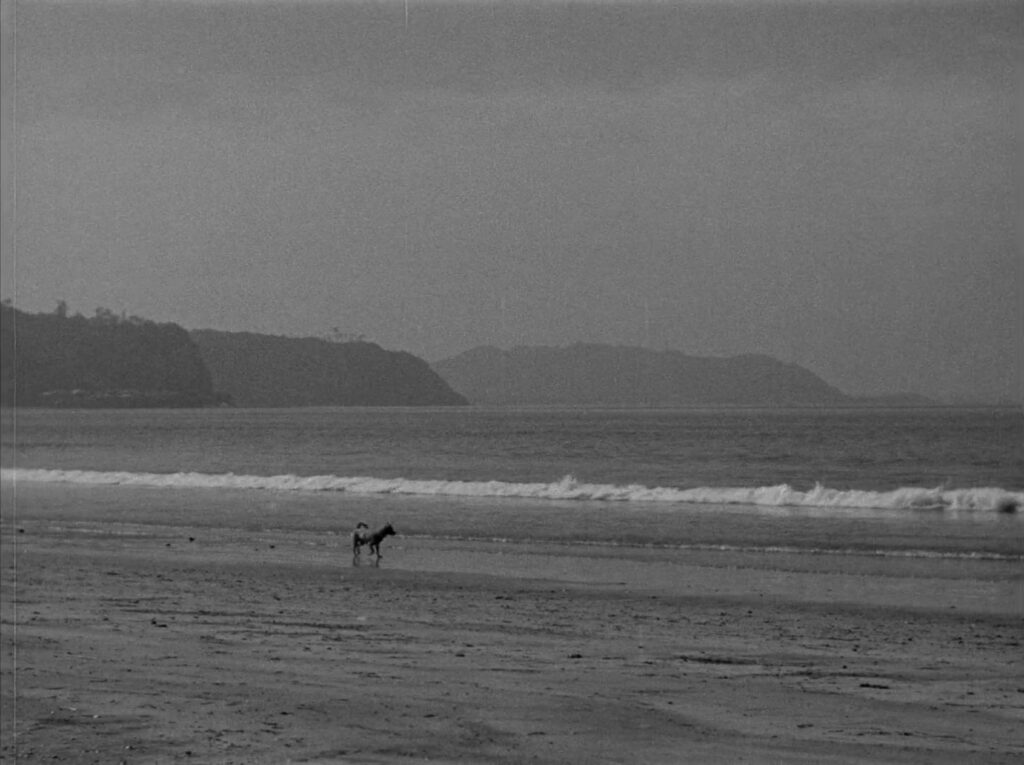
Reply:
x=268, y=370
x=585, y=374
x=56, y=360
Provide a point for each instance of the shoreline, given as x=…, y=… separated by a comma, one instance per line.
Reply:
x=251, y=644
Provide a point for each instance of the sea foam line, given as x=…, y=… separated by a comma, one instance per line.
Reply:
x=865, y=552
x=568, y=488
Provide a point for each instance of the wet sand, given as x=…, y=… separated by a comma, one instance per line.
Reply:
x=142, y=636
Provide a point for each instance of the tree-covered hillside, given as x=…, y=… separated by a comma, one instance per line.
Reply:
x=269, y=371
x=605, y=375
x=102, y=361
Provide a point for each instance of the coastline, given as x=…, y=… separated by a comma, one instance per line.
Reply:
x=125, y=640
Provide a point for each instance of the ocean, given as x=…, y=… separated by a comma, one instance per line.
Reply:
x=899, y=483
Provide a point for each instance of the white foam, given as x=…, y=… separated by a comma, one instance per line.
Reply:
x=568, y=488
x=756, y=549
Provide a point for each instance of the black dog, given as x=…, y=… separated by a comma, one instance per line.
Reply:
x=363, y=536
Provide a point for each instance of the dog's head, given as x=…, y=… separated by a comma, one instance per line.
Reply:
x=388, y=530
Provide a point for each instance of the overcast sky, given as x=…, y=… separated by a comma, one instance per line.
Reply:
x=829, y=182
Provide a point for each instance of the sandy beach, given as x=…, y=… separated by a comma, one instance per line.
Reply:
x=159, y=638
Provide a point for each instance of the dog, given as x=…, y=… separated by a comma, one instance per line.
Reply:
x=363, y=536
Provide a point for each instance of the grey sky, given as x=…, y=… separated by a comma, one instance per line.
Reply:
x=828, y=182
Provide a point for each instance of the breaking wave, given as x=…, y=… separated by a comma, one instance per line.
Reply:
x=568, y=488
